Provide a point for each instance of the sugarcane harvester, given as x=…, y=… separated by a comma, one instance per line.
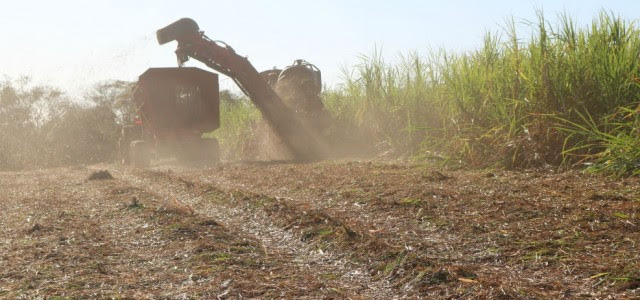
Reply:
x=193, y=93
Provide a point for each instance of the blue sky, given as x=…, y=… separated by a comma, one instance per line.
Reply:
x=73, y=44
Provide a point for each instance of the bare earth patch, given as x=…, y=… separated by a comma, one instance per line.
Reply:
x=323, y=230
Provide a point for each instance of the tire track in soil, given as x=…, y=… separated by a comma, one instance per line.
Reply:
x=86, y=244
x=409, y=260
x=336, y=272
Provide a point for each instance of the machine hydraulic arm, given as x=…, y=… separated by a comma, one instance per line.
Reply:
x=192, y=43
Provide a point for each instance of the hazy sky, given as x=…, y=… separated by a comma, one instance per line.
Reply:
x=73, y=44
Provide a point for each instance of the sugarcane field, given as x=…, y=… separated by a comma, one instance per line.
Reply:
x=320, y=150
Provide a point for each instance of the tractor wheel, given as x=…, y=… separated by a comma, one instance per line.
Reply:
x=140, y=154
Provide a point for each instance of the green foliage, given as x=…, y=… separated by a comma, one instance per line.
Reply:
x=500, y=103
x=610, y=144
x=238, y=116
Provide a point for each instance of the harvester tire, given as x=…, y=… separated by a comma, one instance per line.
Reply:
x=140, y=154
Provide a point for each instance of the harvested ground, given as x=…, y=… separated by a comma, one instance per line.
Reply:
x=345, y=230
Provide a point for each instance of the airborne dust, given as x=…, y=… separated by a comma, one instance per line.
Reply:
x=78, y=224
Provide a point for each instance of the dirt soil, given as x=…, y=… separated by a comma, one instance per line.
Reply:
x=335, y=230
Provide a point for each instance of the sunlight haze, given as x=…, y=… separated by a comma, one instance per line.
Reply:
x=424, y=149
x=73, y=44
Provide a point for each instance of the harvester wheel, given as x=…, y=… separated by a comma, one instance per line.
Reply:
x=140, y=154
